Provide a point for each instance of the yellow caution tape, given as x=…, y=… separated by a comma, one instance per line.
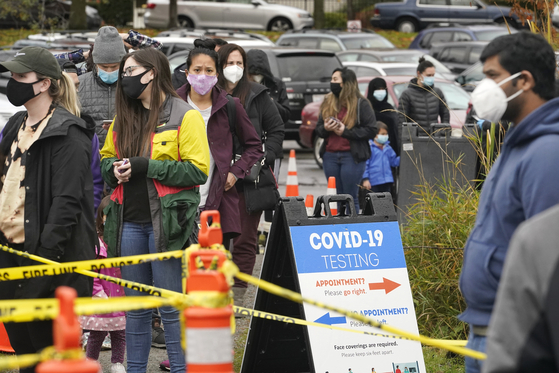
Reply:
x=49, y=353
x=295, y=297
x=291, y=320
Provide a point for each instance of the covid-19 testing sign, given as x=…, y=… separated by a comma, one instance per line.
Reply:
x=359, y=267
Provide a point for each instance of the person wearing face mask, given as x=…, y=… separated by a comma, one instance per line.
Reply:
x=378, y=170
x=260, y=72
x=422, y=102
x=519, y=87
x=46, y=199
x=349, y=124
x=269, y=126
x=97, y=88
x=155, y=157
x=377, y=95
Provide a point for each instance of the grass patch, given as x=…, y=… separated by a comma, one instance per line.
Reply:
x=440, y=361
x=399, y=39
x=239, y=348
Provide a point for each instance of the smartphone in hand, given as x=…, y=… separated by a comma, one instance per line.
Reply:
x=123, y=163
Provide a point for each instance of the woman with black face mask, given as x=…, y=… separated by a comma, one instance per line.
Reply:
x=346, y=122
x=155, y=156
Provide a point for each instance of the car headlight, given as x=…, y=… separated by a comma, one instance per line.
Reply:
x=304, y=15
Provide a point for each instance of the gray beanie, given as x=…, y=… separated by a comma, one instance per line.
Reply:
x=108, y=47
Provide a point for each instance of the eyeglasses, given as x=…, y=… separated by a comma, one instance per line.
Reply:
x=129, y=69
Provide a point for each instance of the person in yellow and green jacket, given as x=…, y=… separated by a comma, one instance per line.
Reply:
x=155, y=155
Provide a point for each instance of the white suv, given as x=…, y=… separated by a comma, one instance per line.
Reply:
x=234, y=14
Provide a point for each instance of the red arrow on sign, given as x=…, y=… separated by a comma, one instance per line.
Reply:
x=385, y=285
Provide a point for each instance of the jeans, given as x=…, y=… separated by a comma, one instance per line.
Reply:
x=348, y=174
x=475, y=342
x=138, y=239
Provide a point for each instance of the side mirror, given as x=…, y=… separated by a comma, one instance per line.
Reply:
x=460, y=79
x=479, y=6
x=255, y=3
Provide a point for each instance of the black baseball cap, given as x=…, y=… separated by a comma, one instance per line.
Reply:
x=36, y=59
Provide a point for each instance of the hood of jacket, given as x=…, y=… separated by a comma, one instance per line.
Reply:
x=258, y=63
x=542, y=121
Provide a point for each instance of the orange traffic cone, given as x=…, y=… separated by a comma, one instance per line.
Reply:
x=309, y=204
x=66, y=335
x=5, y=345
x=331, y=191
x=292, y=184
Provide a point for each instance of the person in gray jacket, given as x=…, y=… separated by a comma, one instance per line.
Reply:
x=97, y=88
x=422, y=102
x=523, y=334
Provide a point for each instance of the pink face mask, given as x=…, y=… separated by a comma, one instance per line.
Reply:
x=202, y=83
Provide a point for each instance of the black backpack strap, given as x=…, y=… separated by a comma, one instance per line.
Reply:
x=232, y=116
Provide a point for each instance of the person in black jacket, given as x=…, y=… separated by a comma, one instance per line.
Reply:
x=259, y=72
x=377, y=95
x=349, y=124
x=265, y=118
x=46, y=199
x=422, y=102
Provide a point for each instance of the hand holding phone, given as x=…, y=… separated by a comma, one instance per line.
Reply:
x=123, y=163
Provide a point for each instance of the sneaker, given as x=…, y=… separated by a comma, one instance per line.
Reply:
x=106, y=343
x=165, y=366
x=117, y=368
x=158, y=337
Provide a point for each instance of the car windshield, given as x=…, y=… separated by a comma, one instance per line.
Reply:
x=456, y=98
x=400, y=70
x=308, y=67
x=176, y=61
x=492, y=34
x=372, y=41
x=414, y=58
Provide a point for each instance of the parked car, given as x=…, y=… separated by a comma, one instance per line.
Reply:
x=172, y=45
x=426, y=38
x=236, y=14
x=470, y=77
x=397, y=55
x=333, y=40
x=362, y=69
x=457, y=100
x=414, y=15
x=214, y=33
x=458, y=56
x=57, y=11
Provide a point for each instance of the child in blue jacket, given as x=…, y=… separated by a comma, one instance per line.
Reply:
x=378, y=173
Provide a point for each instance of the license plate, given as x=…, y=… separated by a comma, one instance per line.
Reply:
x=316, y=98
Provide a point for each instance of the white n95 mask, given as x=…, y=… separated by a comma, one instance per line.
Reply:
x=490, y=101
x=233, y=73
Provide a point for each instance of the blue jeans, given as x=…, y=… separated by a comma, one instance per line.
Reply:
x=348, y=174
x=138, y=239
x=475, y=342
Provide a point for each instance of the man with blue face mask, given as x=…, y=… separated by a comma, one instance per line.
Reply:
x=97, y=88
x=519, y=87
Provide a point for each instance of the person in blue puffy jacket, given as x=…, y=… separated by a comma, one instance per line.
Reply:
x=378, y=172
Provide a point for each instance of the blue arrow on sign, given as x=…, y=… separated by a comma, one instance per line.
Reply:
x=326, y=319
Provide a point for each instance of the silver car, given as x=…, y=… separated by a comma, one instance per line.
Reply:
x=234, y=14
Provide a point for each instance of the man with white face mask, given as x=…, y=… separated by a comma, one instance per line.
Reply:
x=519, y=87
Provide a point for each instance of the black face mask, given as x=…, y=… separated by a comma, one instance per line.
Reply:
x=19, y=93
x=132, y=85
x=336, y=88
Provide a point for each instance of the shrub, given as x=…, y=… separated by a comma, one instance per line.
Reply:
x=335, y=20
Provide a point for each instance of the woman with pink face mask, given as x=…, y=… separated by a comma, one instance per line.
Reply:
x=200, y=91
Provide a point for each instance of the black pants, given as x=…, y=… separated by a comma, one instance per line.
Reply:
x=28, y=337
x=381, y=188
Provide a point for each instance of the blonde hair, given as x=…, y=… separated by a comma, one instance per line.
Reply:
x=349, y=97
x=63, y=93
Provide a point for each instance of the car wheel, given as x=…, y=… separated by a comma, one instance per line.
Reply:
x=406, y=25
x=185, y=22
x=280, y=24
x=317, y=144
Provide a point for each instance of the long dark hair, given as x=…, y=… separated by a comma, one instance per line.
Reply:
x=242, y=89
x=349, y=98
x=133, y=123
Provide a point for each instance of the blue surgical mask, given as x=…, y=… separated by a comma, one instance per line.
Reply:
x=382, y=139
x=106, y=77
x=429, y=80
x=380, y=94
